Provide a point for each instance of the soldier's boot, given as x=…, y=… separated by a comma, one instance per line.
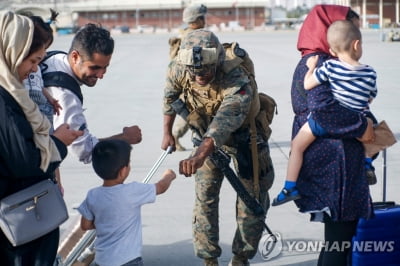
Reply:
x=211, y=262
x=178, y=145
x=239, y=261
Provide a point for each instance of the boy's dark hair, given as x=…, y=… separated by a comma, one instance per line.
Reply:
x=91, y=39
x=110, y=156
x=42, y=33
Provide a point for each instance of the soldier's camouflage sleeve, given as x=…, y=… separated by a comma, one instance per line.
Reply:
x=173, y=86
x=233, y=110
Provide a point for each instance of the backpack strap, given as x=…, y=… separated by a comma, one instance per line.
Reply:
x=238, y=57
x=59, y=78
x=254, y=156
x=49, y=54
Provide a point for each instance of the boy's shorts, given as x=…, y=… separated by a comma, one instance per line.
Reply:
x=316, y=129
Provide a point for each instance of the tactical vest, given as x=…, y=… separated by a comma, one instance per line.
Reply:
x=206, y=100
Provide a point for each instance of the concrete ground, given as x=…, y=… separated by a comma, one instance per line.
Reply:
x=131, y=93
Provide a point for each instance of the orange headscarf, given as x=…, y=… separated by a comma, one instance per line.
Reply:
x=312, y=36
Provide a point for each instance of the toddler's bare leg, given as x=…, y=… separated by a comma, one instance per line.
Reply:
x=300, y=143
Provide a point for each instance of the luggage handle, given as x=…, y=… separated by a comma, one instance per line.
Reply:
x=383, y=205
x=384, y=175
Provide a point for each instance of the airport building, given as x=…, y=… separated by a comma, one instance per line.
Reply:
x=152, y=15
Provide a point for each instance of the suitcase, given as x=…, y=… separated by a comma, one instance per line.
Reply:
x=377, y=240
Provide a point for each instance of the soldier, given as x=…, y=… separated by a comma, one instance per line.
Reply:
x=195, y=16
x=220, y=103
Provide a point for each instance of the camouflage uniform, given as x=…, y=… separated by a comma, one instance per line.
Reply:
x=223, y=106
x=190, y=14
x=180, y=125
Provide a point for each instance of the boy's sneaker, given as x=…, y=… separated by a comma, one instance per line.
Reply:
x=286, y=195
x=371, y=177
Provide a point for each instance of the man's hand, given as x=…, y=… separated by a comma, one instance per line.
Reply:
x=189, y=166
x=132, y=134
x=67, y=135
x=168, y=140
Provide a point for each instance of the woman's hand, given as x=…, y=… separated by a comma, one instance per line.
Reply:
x=369, y=134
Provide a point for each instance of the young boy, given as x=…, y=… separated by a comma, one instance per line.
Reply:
x=353, y=85
x=114, y=208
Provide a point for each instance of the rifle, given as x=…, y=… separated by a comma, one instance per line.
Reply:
x=221, y=160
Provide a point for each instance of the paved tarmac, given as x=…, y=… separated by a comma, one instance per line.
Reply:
x=131, y=93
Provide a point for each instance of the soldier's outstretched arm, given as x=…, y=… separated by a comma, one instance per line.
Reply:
x=190, y=165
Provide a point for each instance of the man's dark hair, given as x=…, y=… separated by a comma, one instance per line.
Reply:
x=109, y=157
x=91, y=39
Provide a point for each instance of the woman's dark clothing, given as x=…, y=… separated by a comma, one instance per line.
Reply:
x=332, y=180
x=39, y=252
x=337, y=236
x=20, y=168
x=332, y=177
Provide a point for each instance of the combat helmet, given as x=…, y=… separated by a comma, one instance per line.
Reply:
x=200, y=49
x=193, y=12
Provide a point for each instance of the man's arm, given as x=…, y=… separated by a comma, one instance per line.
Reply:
x=233, y=111
x=310, y=80
x=87, y=224
x=172, y=91
x=132, y=135
x=168, y=138
x=72, y=113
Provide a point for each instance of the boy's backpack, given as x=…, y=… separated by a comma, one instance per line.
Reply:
x=236, y=56
x=59, y=78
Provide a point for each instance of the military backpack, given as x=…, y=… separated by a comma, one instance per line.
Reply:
x=236, y=56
